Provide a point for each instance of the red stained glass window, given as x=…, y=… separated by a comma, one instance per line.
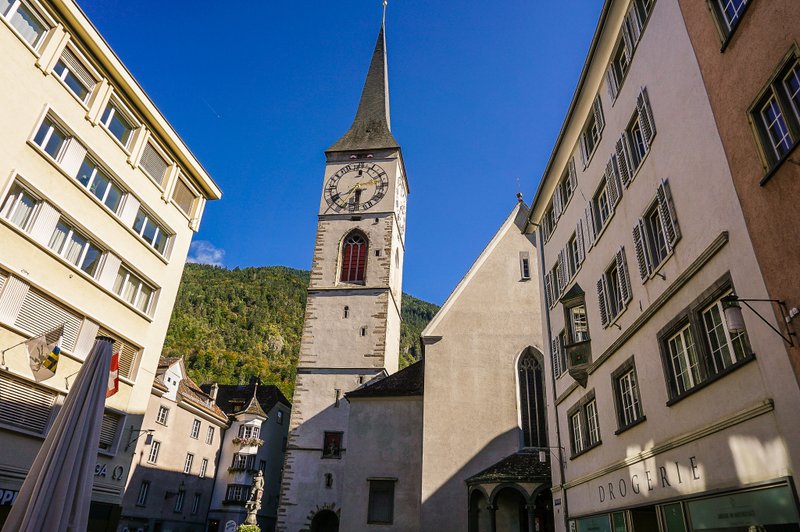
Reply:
x=354, y=258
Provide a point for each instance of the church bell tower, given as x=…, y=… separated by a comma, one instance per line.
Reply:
x=352, y=319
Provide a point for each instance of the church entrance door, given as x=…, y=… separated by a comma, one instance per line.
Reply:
x=325, y=521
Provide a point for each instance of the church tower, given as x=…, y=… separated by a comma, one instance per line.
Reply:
x=352, y=319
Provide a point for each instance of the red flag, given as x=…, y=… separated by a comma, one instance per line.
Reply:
x=113, y=375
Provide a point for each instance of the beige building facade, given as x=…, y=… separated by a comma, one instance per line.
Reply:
x=669, y=416
x=99, y=199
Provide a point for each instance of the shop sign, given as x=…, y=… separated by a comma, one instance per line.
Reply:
x=7, y=497
x=665, y=476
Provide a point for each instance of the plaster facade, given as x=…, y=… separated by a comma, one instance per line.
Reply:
x=729, y=430
x=43, y=285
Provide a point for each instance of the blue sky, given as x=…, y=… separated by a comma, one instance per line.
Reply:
x=259, y=89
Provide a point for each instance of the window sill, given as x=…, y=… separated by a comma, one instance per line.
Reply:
x=730, y=369
x=598, y=443
x=786, y=156
x=31, y=49
x=630, y=425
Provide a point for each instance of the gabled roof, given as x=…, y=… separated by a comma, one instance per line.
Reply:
x=189, y=391
x=371, y=127
x=407, y=382
x=516, y=219
x=234, y=399
x=522, y=466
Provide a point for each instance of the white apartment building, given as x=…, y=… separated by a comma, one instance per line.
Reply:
x=668, y=417
x=99, y=199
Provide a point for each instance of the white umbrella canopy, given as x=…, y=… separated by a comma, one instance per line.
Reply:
x=57, y=491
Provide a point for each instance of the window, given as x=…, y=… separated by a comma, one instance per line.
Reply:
x=354, y=258
x=203, y=468
x=133, y=290
x=154, y=164
x=25, y=20
x=578, y=324
x=195, y=503
x=697, y=346
x=183, y=197
x=242, y=462
x=531, y=396
x=626, y=395
x=332, y=445
x=346, y=313
x=590, y=137
x=117, y=124
x=152, y=458
x=640, y=132
x=559, y=354
x=100, y=185
x=279, y=417
x=151, y=231
x=144, y=489
x=728, y=12
x=210, y=435
x=19, y=207
x=24, y=405
x=656, y=234
x=195, y=429
x=51, y=138
x=574, y=252
x=776, y=114
x=179, y=501
x=614, y=289
x=249, y=431
x=187, y=464
x=381, y=501
x=75, y=248
x=363, y=331
x=554, y=283
x=75, y=76
x=567, y=185
x=604, y=201
x=237, y=493
x=163, y=414
x=524, y=265
x=584, y=425
x=548, y=222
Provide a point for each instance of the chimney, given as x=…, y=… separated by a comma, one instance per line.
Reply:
x=214, y=390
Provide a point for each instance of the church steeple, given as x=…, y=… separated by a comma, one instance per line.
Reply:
x=371, y=128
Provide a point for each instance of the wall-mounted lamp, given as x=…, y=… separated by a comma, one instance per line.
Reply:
x=544, y=451
x=734, y=320
x=147, y=441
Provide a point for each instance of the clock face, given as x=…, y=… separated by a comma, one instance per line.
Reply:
x=356, y=187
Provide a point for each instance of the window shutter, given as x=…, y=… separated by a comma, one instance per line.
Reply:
x=86, y=339
x=73, y=156
x=624, y=278
x=601, y=299
x=183, y=197
x=572, y=176
x=547, y=296
x=666, y=211
x=154, y=164
x=579, y=239
x=612, y=184
x=584, y=151
x=634, y=26
x=554, y=352
x=628, y=40
x=611, y=82
x=128, y=354
x=645, y=117
x=77, y=68
x=44, y=223
x=39, y=315
x=24, y=405
x=557, y=202
x=597, y=109
x=622, y=160
x=11, y=299
x=642, y=256
x=563, y=272
x=590, y=223
x=108, y=430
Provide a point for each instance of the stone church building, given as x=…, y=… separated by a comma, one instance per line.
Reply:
x=458, y=440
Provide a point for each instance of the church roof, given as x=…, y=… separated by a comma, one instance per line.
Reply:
x=522, y=466
x=406, y=382
x=371, y=127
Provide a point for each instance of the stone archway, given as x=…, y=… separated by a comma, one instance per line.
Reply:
x=511, y=510
x=480, y=517
x=325, y=521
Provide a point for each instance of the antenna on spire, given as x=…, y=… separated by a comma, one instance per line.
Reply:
x=384, y=11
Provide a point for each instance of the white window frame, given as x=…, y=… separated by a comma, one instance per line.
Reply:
x=179, y=500
x=125, y=115
x=195, y=433
x=160, y=229
x=90, y=71
x=688, y=373
x=162, y=420
x=187, y=464
x=89, y=243
x=112, y=183
x=138, y=292
x=9, y=209
x=719, y=324
x=155, y=448
x=592, y=423
x=630, y=405
x=210, y=435
x=144, y=490
x=577, y=433
x=52, y=126
x=203, y=468
x=196, y=503
x=46, y=22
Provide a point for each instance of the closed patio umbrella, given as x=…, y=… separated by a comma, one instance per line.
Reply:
x=57, y=491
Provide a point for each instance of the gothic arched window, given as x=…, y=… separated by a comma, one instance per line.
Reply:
x=354, y=258
x=531, y=397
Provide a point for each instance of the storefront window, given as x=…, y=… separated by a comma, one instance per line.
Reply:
x=764, y=510
x=672, y=515
x=598, y=523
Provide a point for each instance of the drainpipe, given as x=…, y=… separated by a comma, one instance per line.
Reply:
x=552, y=377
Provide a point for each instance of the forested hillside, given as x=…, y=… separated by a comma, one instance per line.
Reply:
x=234, y=325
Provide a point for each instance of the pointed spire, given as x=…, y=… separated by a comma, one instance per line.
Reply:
x=371, y=128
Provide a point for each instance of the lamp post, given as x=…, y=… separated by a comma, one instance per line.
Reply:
x=734, y=320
